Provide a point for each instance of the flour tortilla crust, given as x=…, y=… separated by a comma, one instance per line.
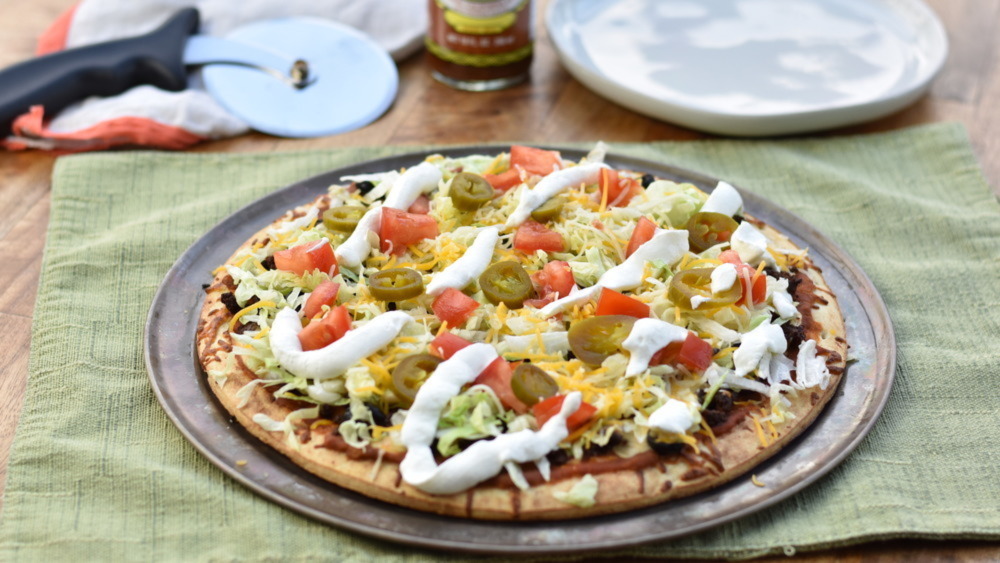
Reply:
x=641, y=481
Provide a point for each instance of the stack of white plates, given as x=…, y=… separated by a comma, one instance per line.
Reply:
x=752, y=67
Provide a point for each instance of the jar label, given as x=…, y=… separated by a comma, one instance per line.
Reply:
x=483, y=33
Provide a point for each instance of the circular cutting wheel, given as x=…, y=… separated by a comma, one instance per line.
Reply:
x=353, y=80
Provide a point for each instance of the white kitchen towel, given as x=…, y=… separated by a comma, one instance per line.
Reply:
x=150, y=117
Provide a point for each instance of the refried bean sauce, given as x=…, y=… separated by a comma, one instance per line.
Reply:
x=480, y=45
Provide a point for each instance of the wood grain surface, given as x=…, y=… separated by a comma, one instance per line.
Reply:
x=551, y=108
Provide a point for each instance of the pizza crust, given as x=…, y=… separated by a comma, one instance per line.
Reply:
x=722, y=460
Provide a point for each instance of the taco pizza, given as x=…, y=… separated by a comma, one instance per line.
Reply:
x=522, y=336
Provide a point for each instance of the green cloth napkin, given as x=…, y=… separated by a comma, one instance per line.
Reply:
x=99, y=472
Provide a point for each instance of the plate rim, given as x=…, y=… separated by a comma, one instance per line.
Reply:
x=745, y=124
x=539, y=537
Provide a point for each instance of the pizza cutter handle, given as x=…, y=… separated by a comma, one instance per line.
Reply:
x=103, y=69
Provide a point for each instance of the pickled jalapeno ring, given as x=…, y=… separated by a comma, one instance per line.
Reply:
x=698, y=283
x=507, y=283
x=593, y=339
x=470, y=191
x=344, y=218
x=531, y=384
x=707, y=229
x=396, y=284
x=549, y=210
x=410, y=373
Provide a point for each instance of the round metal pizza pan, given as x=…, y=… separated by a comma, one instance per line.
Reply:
x=185, y=396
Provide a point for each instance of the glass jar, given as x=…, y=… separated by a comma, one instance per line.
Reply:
x=480, y=45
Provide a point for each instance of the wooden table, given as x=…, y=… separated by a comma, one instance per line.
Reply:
x=552, y=108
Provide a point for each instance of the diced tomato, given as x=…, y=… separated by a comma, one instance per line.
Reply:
x=620, y=190
x=446, y=344
x=324, y=294
x=730, y=256
x=420, y=206
x=748, y=278
x=307, y=257
x=612, y=302
x=554, y=280
x=399, y=229
x=539, y=302
x=532, y=236
x=547, y=408
x=641, y=234
x=323, y=332
x=505, y=180
x=693, y=353
x=535, y=161
x=497, y=377
x=454, y=307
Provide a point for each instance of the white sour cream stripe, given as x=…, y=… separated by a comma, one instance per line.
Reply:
x=470, y=266
x=666, y=245
x=418, y=179
x=443, y=384
x=552, y=185
x=723, y=199
x=421, y=178
x=757, y=346
x=675, y=416
x=646, y=338
x=810, y=370
x=353, y=251
x=751, y=245
x=783, y=305
x=483, y=459
x=723, y=278
x=335, y=358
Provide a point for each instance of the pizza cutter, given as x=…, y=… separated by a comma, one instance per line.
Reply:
x=291, y=77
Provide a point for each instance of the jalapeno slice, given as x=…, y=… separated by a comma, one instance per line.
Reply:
x=410, y=373
x=698, y=283
x=396, y=284
x=707, y=229
x=549, y=210
x=507, y=283
x=470, y=191
x=344, y=218
x=532, y=384
x=593, y=339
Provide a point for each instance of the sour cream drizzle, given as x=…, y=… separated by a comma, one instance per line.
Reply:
x=666, y=245
x=750, y=244
x=337, y=357
x=484, y=458
x=810, y=370
x=723, y=277
x=421, y=178
x=723, y=199
x=551, y=185
x=470, y=266
x=646, y=338
x=783, y=304
x=757, y=346
x=675, y=416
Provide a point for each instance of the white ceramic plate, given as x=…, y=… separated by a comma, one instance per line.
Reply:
x=752, y=67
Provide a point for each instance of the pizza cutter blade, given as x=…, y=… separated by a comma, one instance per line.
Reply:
x=292, y=77
x=337, y=79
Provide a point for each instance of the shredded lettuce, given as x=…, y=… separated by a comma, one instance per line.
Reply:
x=472, y=415
x=581, y=494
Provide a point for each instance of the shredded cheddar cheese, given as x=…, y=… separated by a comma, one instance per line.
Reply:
x=759, y=431
x=247, y=310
